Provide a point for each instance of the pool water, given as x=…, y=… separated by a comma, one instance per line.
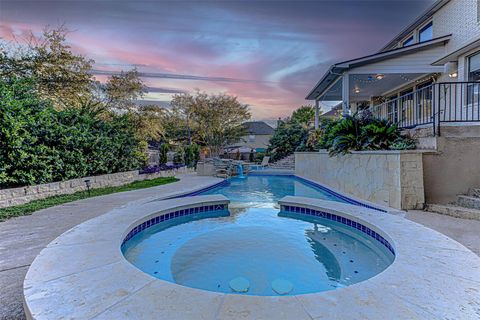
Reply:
x=256, y=249
x=269, y=189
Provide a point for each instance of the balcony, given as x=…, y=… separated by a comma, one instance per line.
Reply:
x=432, y=105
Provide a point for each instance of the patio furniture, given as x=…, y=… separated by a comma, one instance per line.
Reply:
x=265, y=161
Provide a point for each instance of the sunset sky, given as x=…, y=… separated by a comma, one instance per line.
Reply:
x=268, y=53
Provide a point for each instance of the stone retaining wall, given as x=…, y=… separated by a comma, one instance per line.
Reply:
x=17, y=196
x=389, y=178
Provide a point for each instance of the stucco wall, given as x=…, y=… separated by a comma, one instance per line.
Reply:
x=16, y=196
x=452, y=170
x=390, y=178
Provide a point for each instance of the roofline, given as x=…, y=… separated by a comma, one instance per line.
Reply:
x=348, y=64
x=396, y=51
x=452, y=56
x=427, y=14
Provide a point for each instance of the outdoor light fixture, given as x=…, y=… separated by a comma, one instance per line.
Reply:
x=88, y=184
x=357, y=90
x=379, y=76
x=451, y=68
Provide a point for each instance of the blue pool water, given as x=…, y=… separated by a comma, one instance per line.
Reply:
x=254, y=248
x=269, y=189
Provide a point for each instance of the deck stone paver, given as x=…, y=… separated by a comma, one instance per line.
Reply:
x=22, y=238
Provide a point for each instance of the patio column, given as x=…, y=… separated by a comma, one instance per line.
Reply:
x=345, y=94
x=317, y=112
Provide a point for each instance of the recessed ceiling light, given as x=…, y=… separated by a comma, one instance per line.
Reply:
x=357, y=90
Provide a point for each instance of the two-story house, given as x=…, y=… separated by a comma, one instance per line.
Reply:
x=427, y=81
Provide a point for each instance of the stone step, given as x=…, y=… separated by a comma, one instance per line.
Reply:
x=474, y=192
x=454, y=211
x=468, y=202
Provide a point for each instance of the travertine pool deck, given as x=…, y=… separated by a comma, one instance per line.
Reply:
x=22, y=238
x=432, y=277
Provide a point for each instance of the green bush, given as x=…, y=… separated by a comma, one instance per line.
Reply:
x=179, y=157
x=287, y=137
x=39, y=144
x=359, y=132
x=192, y=155
x=164, y=148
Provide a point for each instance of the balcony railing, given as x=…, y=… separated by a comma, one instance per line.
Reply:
x=432, y=105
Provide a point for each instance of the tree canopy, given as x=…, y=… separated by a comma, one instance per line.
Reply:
x=212, y=120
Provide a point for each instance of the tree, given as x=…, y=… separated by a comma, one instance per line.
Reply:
x=39, y=144
x=121, y=91
x=304, y=115
x=60, y=75
x=213, y=120
x=148, y=122
x=287, y=137
x=164, y=148
x=292, y=133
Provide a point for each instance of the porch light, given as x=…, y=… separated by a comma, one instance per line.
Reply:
x=451, y=68
x=379, y=76
x=357, y=90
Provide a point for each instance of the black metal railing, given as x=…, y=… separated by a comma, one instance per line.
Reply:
x=432, y=105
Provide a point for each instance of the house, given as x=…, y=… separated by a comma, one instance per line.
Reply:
x=258, y=135
x=256, y=139
x=426, y=79
x=425, y=76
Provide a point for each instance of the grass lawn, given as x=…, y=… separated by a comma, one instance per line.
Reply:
x=28, y=208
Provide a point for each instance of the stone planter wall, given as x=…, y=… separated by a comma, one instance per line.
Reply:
x=389, y=178
x=17, y=196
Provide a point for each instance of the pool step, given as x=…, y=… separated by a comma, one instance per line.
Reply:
x=285, y=163
x=468, y=202
x=454, y=211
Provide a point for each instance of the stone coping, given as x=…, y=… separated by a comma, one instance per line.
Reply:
x=83, y=275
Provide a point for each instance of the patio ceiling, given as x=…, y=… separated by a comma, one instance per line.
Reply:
x=364, y=86
x=412, y=61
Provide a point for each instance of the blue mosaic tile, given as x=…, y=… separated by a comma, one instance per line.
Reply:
x=350, y=223
x=171, y=215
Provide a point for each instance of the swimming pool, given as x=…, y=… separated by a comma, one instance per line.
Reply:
x=256, y=249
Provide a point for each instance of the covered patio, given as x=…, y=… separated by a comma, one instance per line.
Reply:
x=371, y=82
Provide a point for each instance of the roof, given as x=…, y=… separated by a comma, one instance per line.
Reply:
x=426, y=15
x=258, y=128
x=336, y=70
x=453, y=56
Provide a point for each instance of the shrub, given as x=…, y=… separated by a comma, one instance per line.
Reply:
x=39, y=144
x=360, y=132
x=288, y=136
x=192, y=155
x=164, y=148
x=179, y=157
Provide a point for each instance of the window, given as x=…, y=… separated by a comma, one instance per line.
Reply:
x=251, y=138
x=424, y=95
x=408, y=41
x=406, y=105
x=426, y=33
x=473, y=89
x=474, y=67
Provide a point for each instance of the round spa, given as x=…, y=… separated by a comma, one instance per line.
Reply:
x=259, y=251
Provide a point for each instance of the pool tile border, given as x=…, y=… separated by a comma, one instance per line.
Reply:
x=169, y=215
x=346, y=221
x=342, y=197
x=222, y=183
